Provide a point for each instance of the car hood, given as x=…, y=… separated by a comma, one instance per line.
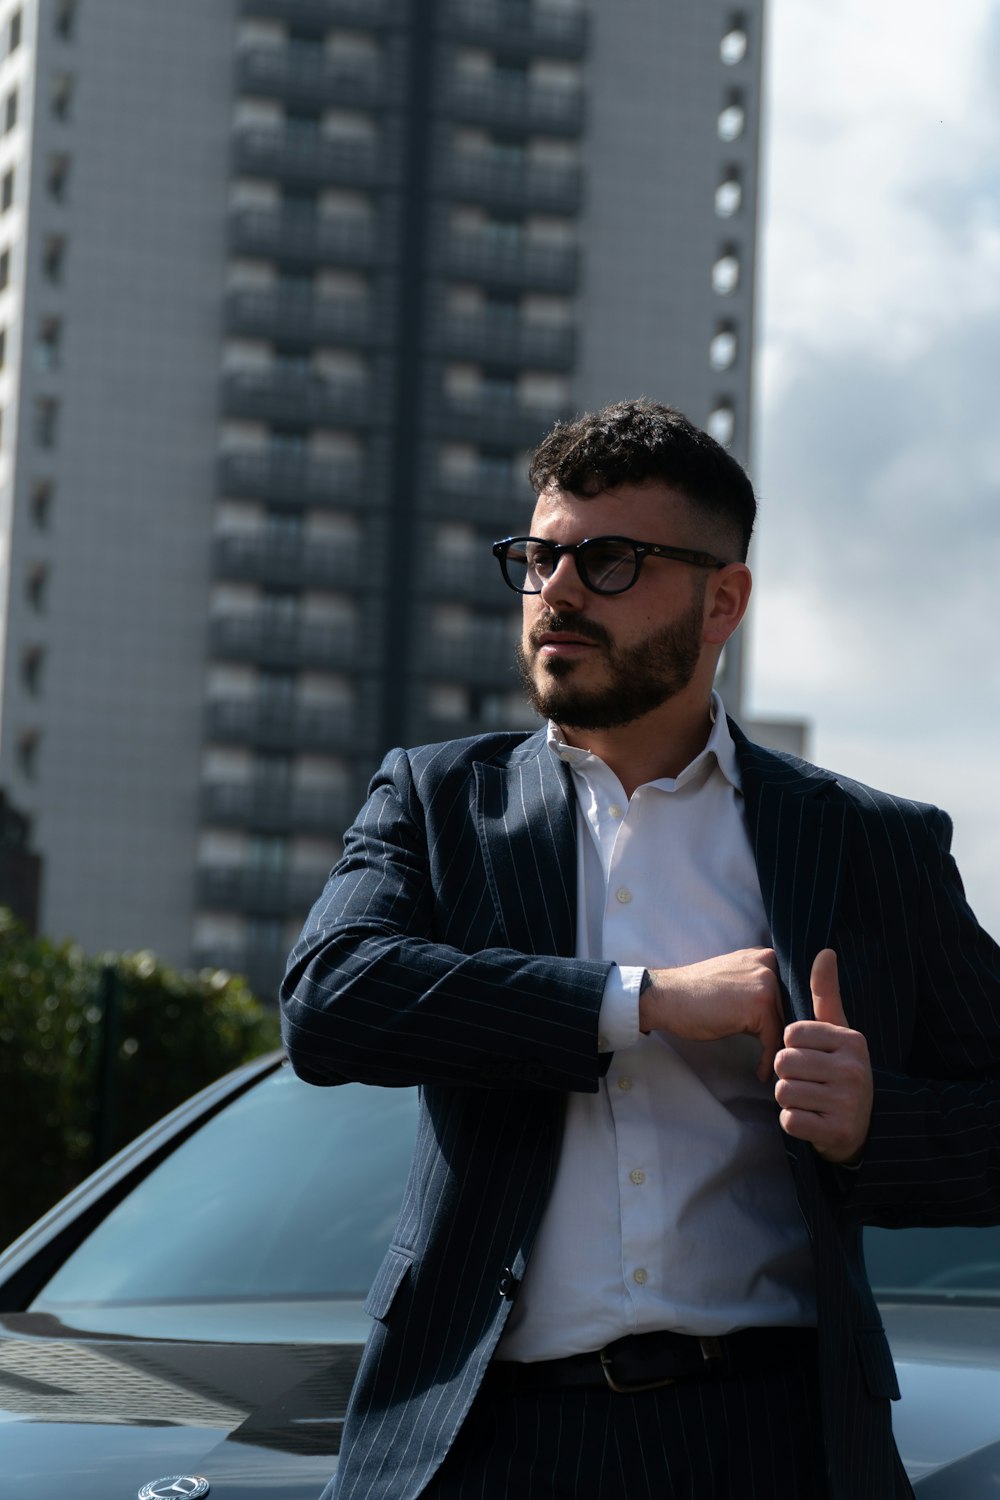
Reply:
x=99, y=1416
x=947, y=1424
x=93, y=1416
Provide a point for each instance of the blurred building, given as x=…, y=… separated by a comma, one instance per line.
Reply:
x=20, y=867
x=287, y=289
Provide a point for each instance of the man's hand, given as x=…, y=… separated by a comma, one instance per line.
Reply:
x=735, y=994
x=824, y=1087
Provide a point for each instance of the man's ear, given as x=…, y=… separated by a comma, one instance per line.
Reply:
x=726, y=598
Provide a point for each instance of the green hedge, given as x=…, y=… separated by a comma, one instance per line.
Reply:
x=171, y=1033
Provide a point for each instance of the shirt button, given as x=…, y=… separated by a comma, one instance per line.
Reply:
x=614, y=811
x=623, y=895
x=638, y=1176
x=624, y=1084
x=640, y=1276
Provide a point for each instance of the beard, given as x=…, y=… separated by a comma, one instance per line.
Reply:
x=641, y=677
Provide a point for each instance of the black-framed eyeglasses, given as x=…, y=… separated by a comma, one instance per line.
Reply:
x=606, y=564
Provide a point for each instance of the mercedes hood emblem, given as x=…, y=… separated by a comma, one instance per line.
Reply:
x=175, y=1487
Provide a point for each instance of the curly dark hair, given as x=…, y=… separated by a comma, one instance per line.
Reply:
x=631, y=442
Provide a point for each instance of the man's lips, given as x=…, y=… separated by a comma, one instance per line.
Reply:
x=572, y=638
x=563, y=643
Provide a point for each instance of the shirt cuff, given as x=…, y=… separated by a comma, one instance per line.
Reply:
x=618, y=1022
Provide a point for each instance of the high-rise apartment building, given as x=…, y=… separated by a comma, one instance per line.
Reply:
x=287, y=289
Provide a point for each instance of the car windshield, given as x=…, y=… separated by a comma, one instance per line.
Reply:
x=270, y=1221
x=284, y=1200
x=957, y=1264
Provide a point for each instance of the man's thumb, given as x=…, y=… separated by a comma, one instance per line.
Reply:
x=825, y=986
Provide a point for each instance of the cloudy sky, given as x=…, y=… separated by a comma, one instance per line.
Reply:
x=877, y=459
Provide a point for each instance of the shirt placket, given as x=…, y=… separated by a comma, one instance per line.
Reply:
x=628, y=1082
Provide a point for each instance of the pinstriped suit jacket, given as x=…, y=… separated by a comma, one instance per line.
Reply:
x=440, y=953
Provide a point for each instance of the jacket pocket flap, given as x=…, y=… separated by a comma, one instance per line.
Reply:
x=388, y=1280
x=876, y=1362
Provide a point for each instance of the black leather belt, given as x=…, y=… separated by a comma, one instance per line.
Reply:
x=645, y=1361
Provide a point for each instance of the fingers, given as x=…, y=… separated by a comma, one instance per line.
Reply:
x=825, y=985
x=732, y=994
x=824, y=1090
x=769, y=1037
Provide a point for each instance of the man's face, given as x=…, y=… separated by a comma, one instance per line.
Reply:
x=596, y=662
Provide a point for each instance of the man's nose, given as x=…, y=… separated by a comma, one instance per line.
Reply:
x=563, y=588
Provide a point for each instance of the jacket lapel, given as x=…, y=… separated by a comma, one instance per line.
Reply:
x=796, y=823
x=525, y=811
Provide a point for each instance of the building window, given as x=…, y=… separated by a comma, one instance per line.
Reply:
x=62, y=97
x=726, y=273
x=721, y=423
x=41, y=504
x=46, y=422
x=54, y=259
x=57, y=177
x=6, y=190
x=27, y=753
x=10, y=112
x=277, y=691
x=32, y=664
x=4, y=270
x=733, y=46
x=48, y=345
x=732, y=118
x=14, y=31
x=722, y=349
x=728, y=195
x=64, y=24
x=267, y=854
x=36, y=587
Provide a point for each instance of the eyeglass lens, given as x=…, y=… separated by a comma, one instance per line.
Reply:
x=605, y=566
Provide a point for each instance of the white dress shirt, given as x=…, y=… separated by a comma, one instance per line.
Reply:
x=672, y=1205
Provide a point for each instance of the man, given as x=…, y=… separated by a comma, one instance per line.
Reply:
x=685, y=1014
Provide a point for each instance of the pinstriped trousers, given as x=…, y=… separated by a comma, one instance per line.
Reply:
x=756, y=1438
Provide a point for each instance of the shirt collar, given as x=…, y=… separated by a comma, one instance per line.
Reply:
x=718, y=745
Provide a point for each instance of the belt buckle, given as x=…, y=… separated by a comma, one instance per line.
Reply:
x=711, y=1349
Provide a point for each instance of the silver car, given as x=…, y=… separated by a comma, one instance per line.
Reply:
x=189, y=1321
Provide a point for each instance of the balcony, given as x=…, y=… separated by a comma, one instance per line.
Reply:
x=513, y=185
x=474, y=577
x=301, y=240
x=300, y=397
x=494, y=262
x=295, y=480
x=265, y=725
x=497, y=338
x=427, y=730
x=317, y=16
x=308, y=77
x=302, y=156
x=526, y=29
x=502, y=502
x=272, y=809
x=503, y=103
x=493, y=418
x=300, y=320
x=279, y=561
x=285, y=644
x=483, y=655
x=258, y=893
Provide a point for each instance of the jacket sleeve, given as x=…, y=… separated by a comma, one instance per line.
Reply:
x=391, y=982
x=933, y=1153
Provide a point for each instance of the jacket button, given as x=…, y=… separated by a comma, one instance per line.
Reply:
x=508, y=1284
